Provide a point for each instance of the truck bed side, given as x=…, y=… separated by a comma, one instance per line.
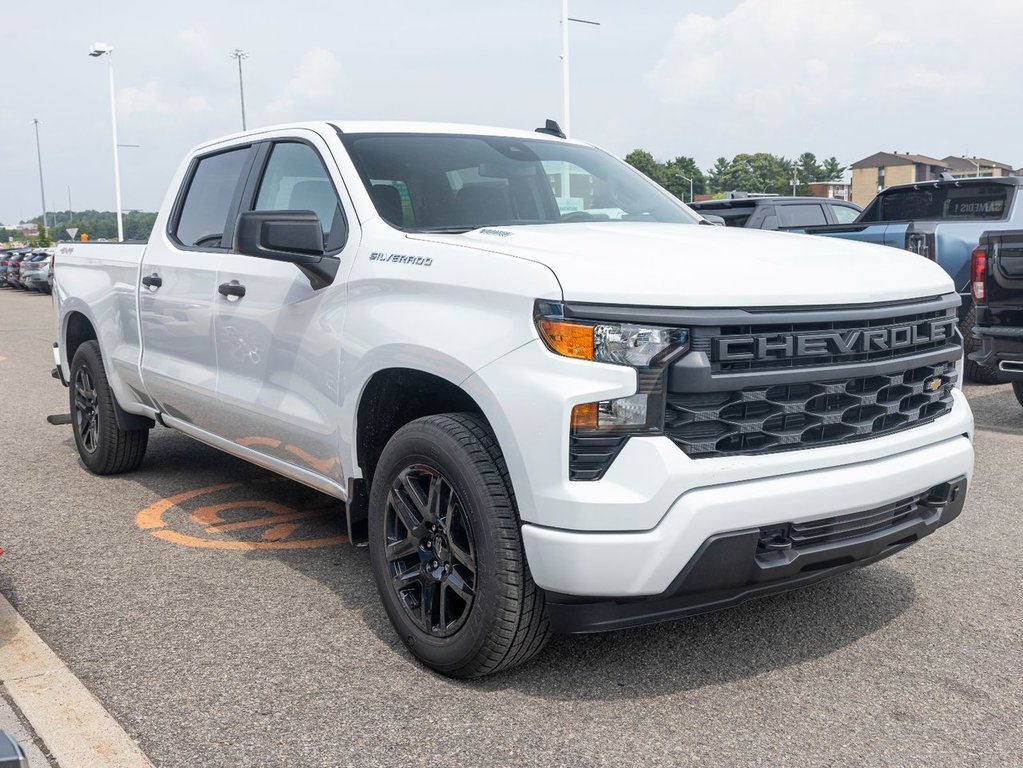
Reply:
x=96, y=296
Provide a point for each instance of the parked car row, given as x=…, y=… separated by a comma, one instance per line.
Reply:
x=29, y=269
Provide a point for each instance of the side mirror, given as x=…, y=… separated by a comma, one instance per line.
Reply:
x=717, y=221
x=292, y=236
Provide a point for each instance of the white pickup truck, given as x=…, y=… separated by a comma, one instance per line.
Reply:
x=551, y=397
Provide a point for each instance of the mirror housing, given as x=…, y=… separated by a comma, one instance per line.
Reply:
x=717, y=221
x=292, y=236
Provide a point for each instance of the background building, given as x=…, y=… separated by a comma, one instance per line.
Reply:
x=969, y=167
x=885, y=169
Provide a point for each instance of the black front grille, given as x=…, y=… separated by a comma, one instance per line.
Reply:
x=785, y=417
x=706, y=339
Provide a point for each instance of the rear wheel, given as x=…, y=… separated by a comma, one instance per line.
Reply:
x=975, y=372
x=105, y=449
x=1017, y=388
x=446, y=550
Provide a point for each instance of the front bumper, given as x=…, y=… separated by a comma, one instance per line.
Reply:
x=645, y=563
x=733, y=567
x=1001, y=345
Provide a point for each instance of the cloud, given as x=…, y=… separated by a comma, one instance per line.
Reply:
x=317, y=81
x=769, y=60
x=151, y=100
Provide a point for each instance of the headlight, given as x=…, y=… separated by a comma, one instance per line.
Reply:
x=638, y=346
x=647, y=348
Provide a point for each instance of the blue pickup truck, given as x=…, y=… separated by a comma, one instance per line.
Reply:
x=942, y=221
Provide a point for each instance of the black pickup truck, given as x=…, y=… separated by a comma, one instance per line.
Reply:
x=996, y=281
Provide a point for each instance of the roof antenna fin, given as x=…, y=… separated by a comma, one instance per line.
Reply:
x=552, y=128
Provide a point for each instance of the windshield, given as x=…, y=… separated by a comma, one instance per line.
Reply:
x=452, y=183
x=941, y=203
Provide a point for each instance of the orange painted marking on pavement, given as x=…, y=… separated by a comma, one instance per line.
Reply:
x=242, y=525
x=2, y=358
x=211, y=515
x=152, y=516
x=193, y=541
x=282, y=522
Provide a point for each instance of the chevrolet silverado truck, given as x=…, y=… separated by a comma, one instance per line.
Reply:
x=941, y=221
x=545, y=412
x=996, y=279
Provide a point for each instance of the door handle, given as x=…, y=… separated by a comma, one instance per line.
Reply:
x=152, y=281
x=233, y=288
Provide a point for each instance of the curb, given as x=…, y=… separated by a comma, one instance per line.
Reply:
x=75, y=728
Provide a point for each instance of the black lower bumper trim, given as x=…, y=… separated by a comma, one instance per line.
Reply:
x=1000, y=345
x=731, y=568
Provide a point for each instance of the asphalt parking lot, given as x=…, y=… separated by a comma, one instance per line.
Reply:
x=215, y=612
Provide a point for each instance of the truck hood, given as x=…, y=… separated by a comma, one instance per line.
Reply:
x=701, y=266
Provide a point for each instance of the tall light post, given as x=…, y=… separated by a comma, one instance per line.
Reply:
x=42, y=191
x=97, y=50
x=565, y=18
x=686, y=178
x=239, y=54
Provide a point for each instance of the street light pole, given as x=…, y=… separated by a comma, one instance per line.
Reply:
x=97, y=50
x=42, y=191
x=686, y=178
x=565, y=18
x=240, y=54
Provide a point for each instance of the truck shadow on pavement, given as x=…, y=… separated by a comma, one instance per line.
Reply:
x=754, y=638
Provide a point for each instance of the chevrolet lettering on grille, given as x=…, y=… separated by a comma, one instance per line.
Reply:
x=774, y=346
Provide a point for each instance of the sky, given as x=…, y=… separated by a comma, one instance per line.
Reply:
x=703, y=78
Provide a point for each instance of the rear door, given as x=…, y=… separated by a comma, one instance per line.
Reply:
x=178, y=274
x=278, y=346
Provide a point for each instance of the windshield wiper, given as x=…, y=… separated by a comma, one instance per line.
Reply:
x=446, y=230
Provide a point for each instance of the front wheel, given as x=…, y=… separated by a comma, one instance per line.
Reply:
x=1017, y=388
x=446, y=550
x=104, y=447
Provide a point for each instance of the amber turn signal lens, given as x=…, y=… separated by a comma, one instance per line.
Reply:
x=585, y=416
x=568, y=339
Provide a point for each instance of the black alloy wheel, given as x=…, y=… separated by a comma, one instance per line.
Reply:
x=104, y=447
x=86, y=410
x=430, y=550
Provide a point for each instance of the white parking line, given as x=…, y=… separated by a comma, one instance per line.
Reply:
x=74, y=726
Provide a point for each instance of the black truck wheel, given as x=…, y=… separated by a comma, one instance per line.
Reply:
x=446, y=550
x=1017, y=388
x=105, y=449
x=975, y=372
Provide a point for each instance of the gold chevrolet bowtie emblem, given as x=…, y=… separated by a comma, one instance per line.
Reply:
x=932, y=384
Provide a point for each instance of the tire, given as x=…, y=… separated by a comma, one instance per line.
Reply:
x=1017, y=388
x=975, y=372
x=440, y=502
x=105, y=449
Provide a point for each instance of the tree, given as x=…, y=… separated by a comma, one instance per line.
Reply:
x=832, y=171
x=717, y=174
x=759, y=172
x=644, y=162
x=681, y=166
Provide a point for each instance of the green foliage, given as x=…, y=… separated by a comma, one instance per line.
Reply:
x=669, y=175
x=678, y=171
x=758, y=172
x=101, y=225
x=644, y=162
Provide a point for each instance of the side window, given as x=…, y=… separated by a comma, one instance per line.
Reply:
x=801, y=215
x=211, y=191
x=844, y=214
x=296, y=180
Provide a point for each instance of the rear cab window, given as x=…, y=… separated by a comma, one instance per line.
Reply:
x=973, y=202
x=210, y=194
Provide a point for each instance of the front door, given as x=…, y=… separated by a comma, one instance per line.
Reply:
x=278, y=346
x=179, y=288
